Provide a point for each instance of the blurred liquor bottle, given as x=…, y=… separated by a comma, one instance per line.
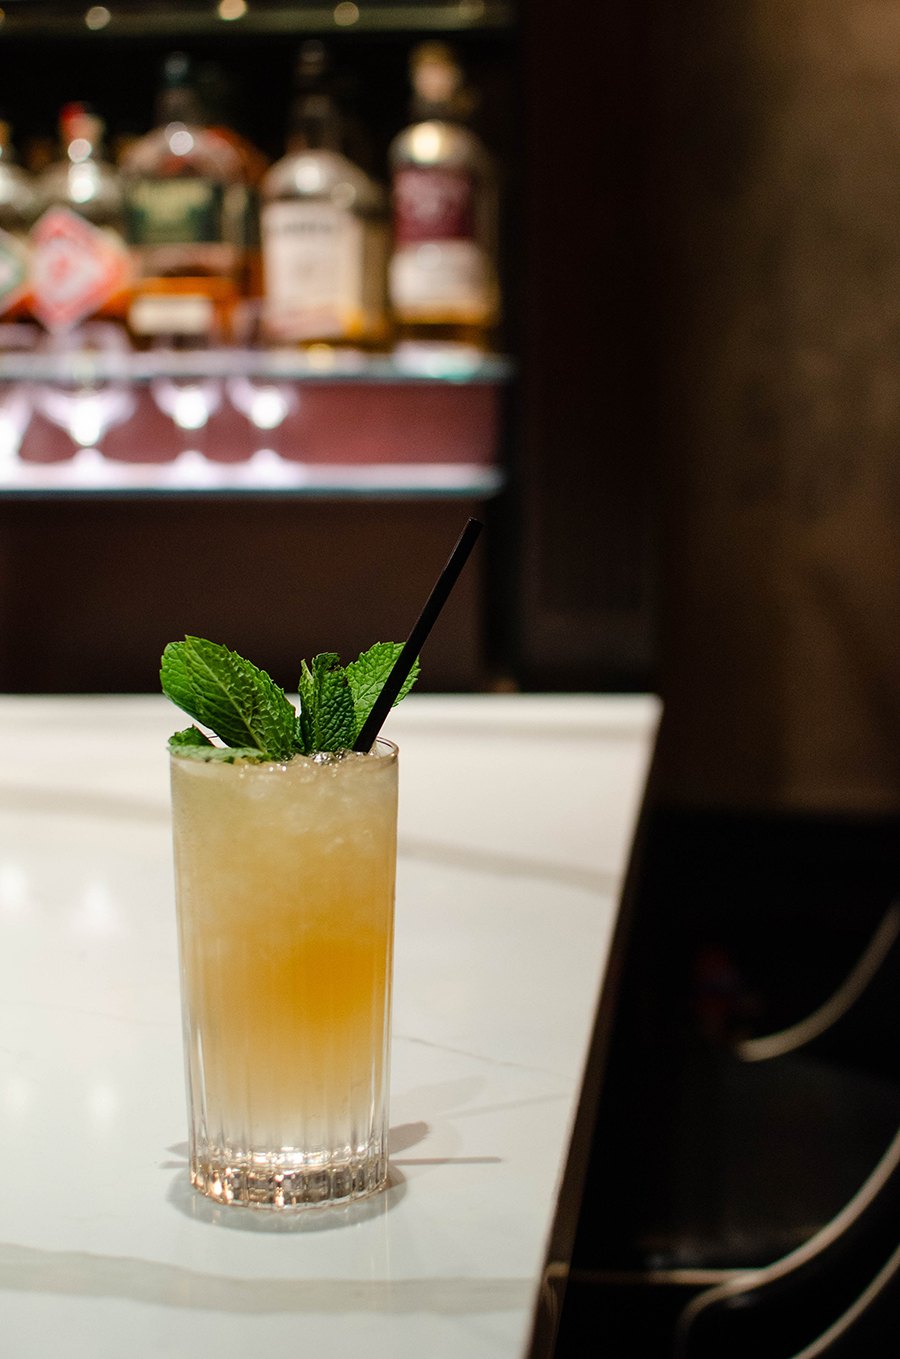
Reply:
x=443, y=279
x=324, y=227
x=217, y=91
x=18, y=208
x=80, y=265
x=186, y=207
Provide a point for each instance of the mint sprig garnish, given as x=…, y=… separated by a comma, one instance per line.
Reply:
x=254, y=719
x=367, y=676
x=191, y=736
x=326, y=705
x=230, y=696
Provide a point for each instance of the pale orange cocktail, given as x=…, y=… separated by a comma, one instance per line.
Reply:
x=285, y=893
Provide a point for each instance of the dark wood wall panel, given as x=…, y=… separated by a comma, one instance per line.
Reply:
x=91, y=590
x=584, y=446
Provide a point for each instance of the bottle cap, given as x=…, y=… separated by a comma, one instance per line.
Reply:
x=77, y=122
x=178, y=100
x=435, y=73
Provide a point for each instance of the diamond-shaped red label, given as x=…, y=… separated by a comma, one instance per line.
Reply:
x=75, y=268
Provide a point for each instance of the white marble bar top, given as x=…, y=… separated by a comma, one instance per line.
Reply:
x=516, y=818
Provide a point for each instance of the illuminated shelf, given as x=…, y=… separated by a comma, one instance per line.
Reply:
x=232, y=421
x=263, y=474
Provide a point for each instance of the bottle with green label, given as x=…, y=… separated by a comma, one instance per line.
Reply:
x=186, y=221
x=324, y=227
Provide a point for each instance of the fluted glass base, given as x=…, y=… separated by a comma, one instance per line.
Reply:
x=284, y=1179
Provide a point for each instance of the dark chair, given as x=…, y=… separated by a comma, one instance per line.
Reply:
x=836, y=1294
x=870, y=1327
x=836, y=1297
x=767, y=1225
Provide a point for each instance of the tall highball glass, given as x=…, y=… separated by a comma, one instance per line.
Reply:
x=285, y=898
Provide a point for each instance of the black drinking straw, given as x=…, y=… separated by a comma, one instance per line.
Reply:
x=416, y=639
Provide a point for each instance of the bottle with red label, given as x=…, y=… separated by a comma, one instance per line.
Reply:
x=80, y=265
x=442, y=280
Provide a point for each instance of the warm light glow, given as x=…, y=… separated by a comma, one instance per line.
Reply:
x=232, y=9
x=268, y=407
x=346, y=13
x=190, y=408
x=98, y=16
x=426, y=141
x=190, y=404
x=79, y=149
x=82, y=183
x=309, y=175
x=268, y=467
x=180, y=140
x=87, y=421
x=190, y=468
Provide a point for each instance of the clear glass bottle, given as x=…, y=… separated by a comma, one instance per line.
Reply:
x=185, y=218
x=18, y=208
x=442, y=280
x=324, y=228
x=80, y=266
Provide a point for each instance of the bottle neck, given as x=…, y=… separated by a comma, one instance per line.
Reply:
x=315, y=125
x=428, y=111
x=179, y=104
x=438, y=90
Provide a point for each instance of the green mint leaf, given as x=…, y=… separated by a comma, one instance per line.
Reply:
x=368, y=674
x=230, y=696
x=191, y=736
x=326, y=706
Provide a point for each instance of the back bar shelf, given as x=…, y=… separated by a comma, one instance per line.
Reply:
x=250, y=422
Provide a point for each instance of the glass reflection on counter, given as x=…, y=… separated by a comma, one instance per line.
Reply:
x=189, y=402
x=265, y=404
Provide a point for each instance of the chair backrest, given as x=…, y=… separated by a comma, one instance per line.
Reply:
x=875, y=972
x=781, y=1310
x=871, y=1325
